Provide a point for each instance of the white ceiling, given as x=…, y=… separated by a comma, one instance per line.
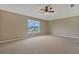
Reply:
x=61, y=10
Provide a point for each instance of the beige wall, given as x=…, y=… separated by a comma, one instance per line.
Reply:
x=0, y=26
x=68, y=27
x=14, y=25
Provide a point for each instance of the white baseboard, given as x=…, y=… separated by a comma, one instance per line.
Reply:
x=5, y=41
x=68, y=36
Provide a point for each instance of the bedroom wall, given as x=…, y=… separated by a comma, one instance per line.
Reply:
x=14, y=25
x=67, y=27
x=0, y=26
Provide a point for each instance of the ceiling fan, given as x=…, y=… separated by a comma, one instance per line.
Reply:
x=47, y=9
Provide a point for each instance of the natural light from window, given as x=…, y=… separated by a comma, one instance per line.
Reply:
x=33, y=26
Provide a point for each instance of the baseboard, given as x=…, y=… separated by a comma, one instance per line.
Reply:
x=10, y=40
x=67, y=36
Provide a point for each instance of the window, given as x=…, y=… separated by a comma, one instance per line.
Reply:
x=33, y=26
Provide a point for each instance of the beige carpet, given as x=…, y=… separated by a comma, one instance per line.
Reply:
x=42, y=44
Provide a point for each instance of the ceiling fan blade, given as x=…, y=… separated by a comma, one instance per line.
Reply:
x=42, y=9
x=50, y=11
x=42, y=12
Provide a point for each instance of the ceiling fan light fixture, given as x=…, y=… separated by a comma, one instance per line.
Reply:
x=47, y=10
x=46, y=13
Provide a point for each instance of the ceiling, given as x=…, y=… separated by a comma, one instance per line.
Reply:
x=61, y=10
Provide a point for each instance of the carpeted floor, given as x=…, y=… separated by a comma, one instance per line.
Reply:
x=42, y=44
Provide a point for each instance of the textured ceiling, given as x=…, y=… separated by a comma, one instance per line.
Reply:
x=61, y=10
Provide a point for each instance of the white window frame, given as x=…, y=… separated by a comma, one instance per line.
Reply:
x=33, y=24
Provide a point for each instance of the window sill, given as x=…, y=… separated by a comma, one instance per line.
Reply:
x=33, y=32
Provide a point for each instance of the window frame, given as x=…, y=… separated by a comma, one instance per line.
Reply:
x=33, y=25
